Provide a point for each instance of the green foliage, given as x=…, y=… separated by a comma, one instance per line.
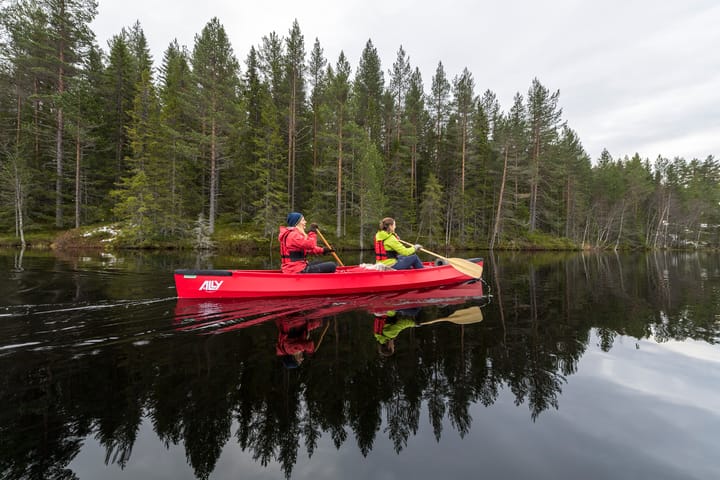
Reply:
x=215, y=72
x=431, y=210
x=368, y=89
x=369, y=192
x=526, y=240
x=134, y=200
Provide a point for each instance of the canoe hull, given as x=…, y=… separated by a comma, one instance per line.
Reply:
x=346, y=280
x=225, y=314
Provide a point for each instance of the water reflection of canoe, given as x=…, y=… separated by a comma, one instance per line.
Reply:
x=346, y=281
x=224, y=314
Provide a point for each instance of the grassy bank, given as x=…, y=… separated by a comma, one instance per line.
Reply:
x=236, y=238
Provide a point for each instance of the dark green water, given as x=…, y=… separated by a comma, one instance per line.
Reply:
x=583, y=366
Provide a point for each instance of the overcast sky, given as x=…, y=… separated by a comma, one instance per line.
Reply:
x=635, y=76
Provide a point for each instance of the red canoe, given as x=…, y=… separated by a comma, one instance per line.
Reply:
x=225, y=314
x=345, y=281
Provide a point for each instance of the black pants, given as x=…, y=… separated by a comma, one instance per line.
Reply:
x=320, y=267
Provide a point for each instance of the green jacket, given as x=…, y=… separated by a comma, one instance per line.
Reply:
x=392, y=244
x=392, y=330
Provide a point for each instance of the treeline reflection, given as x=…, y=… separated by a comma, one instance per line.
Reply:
x=203, y=391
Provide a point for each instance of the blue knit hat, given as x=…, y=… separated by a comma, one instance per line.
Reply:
x=289, y=362
x=293, y=218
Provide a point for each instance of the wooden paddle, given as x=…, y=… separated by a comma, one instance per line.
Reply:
x=464, y=316
x=337, y=259
x=462, y=265
x=317, y=346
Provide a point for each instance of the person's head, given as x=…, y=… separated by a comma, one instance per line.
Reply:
x=293, y=361
x=387, y=224
x=296, y=219
x=387, y=349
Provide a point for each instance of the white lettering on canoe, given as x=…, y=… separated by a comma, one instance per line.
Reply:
x=211, y=285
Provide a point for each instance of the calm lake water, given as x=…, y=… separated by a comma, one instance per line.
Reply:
x=573, y=366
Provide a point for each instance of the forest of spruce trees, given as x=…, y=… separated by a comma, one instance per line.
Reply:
x=92, y=137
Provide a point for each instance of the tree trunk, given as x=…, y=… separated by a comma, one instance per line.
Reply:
x=338, y=225
x=413, y=167
x=18, y=120
x=462, y=177
x=496, y=227
x=77, y=176
x=535, y=179
x=291, y=144
x=568, y=207
x=622, y=218
x=19, y=222
x=59, y=141
x=213, y=177
x=36, y=121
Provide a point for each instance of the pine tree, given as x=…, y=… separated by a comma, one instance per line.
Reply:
x=119, y=87
x=215, y=72
x=70, y=35
x=399, y=165
x=338, y=96
x=487, y=164
x=272, y=68
x=431, y=209
x=177, y=120
x=464, y=102
x=607, y=196
x=370, y=197
x=263, y=161
x=400, y=78
x=14, y=182
x=439, y=107
x=144, y=200
x=295, y=80
x=518, y=146
x=84, y=115
x=576, y=173
x=26, y=47
x=317, y=78
x=48, y=40
x=368, y=89
x=267, y=173
x=502, y=138
x=543, y=120
x=140, y=51
x=416, y=120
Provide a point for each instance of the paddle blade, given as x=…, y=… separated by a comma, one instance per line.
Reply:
x=472, y=270
x=464, y=316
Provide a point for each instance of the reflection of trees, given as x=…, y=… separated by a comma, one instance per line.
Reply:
x=196, y=389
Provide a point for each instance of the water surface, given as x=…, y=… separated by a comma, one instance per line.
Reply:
x=580, y=366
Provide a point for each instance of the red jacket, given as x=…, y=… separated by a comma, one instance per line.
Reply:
x=294, y=247
x=294, y=335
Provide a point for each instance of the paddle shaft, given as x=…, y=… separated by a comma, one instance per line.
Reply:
x=462, y=265
x=337, y=259
x=426, y=251
x=322, y=336
x=463, y=316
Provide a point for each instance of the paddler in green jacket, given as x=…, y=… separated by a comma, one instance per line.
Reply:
x=389, y=250
x=389, y=325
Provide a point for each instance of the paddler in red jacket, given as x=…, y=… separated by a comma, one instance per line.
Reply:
x=294, y=339
x=296, y=244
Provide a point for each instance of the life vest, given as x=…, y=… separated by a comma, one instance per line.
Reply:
x=380, y=252
x=379, y=324
x=286, y=255
x=294, y=335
